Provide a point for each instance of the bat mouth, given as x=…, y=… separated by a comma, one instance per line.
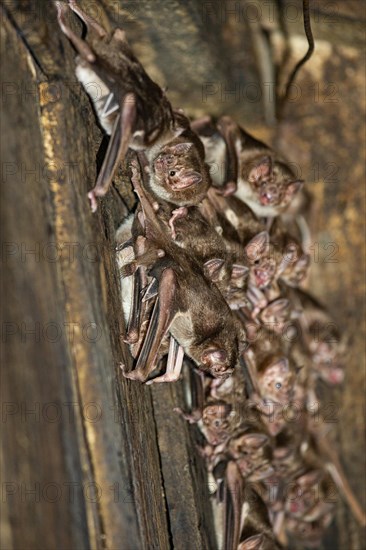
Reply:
x=262, y=280
x=221, y=371
x=268, y=197
x=333, y=375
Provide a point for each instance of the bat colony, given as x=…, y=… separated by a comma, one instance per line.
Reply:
x=211, y=272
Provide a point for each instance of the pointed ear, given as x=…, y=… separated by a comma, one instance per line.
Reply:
x=238, y=271
x=252, y=543
x=190, y=178
x=261, y=170
x=256, y=440
x=278, y=309
x=282, y=364
x=292, y=188
x=310, y=478
x=258, y=246
x=212, y=268
x=291, y=253
x=280, y=306
x=304, y=261
x=180, y=148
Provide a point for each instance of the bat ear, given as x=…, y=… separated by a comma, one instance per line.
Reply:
x=252, y=543
x=180, y=148
x=283, y=364
x=278, y=309
x=291, y=254
x=190, y=178
x=292, y=188
x=310, y=478
x=261, y=170
x=258, y=246
x=238, y=271
x=304, y=261
x=212, y=268
x=256, y=440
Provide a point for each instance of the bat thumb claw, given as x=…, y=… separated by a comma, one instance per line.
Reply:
x=93, y=201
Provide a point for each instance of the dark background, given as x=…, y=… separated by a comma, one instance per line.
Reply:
x=90, y=459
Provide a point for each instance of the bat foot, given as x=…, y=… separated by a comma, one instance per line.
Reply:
x=191, y=418
x=167, y=377
x=132, y=375
x=135, y=375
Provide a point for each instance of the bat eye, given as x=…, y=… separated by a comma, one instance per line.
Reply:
x=172, y=173
x=278, y=385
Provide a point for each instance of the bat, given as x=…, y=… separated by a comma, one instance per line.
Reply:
x=262, y=178
x=187, y=304
x=320, y=338
x=131, y=108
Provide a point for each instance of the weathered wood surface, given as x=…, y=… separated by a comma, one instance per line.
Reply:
x=111, y=465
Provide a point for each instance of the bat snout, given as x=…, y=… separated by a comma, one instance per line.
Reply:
x=269, y=195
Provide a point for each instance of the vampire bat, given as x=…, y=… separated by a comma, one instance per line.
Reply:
x=246, y=522
x=264, y=180
x=320, y=337
x=275, y=373
x=309, y=533
x=295, y=262
x=252, y=451
x=134, y=111
x=187, y=305
x=310, y=495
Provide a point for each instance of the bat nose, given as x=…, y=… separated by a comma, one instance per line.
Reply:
x=269, y=194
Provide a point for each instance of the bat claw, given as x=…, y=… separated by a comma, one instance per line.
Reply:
x=167, y=377
x=135, y=375
x=191, y=418
x=93, y=201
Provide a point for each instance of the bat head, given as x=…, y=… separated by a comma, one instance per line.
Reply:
x=252, y=452
x=216, y=421
x=294, y=264
x=310, y=532
x=217, y=362
x=263, y=264
x=215, y=415
x=276, y=315
x=272, y=182
x=276, y=381
x=303, y=493
x=326, y=352
x=179, y=174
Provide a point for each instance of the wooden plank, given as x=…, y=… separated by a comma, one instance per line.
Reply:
x=124, y=437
